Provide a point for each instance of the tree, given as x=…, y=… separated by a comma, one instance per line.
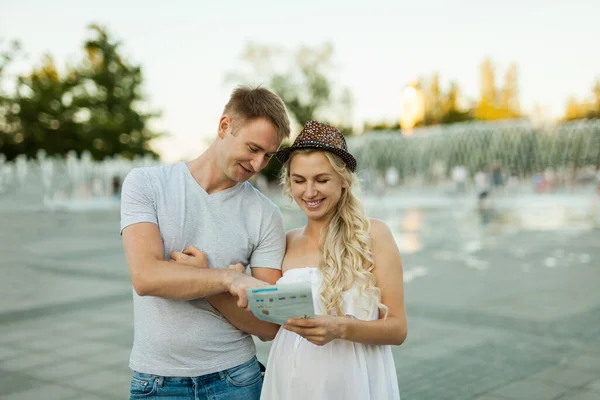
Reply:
x=44, y=111
x=9, y=122
x=94, y=106
x=595, y=112
x=301, y=78
x=509, y=102
x=450, y=107
x=381, y=126
x=433, y=102
x=450, y=103
x=486, y=108
x=574, y=110
x=109, y=99
x=493, y=105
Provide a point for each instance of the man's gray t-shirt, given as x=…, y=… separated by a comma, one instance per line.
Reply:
x=236, y=225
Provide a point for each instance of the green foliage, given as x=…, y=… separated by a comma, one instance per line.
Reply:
x=111, y=93
x=382, y=126
x=586, y=109
x=302, y=78
x=273, y=169
x=45, y=112
x=8, y=107
x=453, y=116
x=94, y=106
x=495, y=104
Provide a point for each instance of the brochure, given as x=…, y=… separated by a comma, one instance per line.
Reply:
x=278, y=303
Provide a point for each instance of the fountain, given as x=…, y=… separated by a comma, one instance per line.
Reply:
x=510, y=152
x=532, y=170
x=515, y=156
x=70, y=183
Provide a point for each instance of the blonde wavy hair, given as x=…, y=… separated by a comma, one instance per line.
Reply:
x=345, y=245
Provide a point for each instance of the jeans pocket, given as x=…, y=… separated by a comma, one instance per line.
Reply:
x=244, y=375
x=142, y=385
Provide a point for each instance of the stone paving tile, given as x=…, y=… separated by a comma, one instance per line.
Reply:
x=594, y=386
x=32, y=360
x=565, y=376
x=8, y=338
x=45, y=344
x=46, y=392
x=12, y=381
x=42, y=310
x=82, y=349
x=587, y=362
x=581, y=395
x=60, y=371
x=462, y=344
x=476, y=370
x=102, y=382
x=491, y=397
x=530, y=389
x=7, y=352
x=94, y=396
x=110, y=357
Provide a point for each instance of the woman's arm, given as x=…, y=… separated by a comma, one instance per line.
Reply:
x=388, y=273
x=243, y=319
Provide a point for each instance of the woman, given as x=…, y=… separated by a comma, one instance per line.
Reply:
x=355, y=270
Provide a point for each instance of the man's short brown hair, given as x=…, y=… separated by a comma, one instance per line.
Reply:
x=249, y=103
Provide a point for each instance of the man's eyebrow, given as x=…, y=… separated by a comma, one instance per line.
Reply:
x=259, y=147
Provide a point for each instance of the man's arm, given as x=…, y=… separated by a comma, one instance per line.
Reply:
x=243, y=319
x=152, y=276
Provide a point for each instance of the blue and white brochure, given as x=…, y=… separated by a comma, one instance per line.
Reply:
x=278, y=303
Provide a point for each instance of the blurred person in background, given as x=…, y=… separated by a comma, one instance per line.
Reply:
x=191, y=334
x=354, y=267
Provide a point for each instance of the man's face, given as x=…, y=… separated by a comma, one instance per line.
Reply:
x=248, y=149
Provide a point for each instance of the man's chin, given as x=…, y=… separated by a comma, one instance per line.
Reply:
x=241, y=178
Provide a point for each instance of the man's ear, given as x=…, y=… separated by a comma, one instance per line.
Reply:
x=224, y=126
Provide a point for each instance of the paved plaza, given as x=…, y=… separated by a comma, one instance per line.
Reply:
x=506, y=309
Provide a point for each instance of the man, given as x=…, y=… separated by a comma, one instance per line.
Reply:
x=190, y=337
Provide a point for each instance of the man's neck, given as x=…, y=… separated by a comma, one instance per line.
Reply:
x=206, y=172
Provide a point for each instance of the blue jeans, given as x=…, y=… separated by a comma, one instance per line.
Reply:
x=237, y=383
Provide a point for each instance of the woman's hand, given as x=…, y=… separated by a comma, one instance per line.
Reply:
x=192, y=256
x=195, y=257
x=319, y=330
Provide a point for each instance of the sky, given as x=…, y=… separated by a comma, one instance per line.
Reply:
x=186, y=49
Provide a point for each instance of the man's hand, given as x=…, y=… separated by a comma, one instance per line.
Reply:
x=238, y=284
x=192, y=256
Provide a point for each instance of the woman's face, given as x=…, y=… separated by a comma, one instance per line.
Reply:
x=315, y=185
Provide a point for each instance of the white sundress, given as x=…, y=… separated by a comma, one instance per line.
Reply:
x=298, y=369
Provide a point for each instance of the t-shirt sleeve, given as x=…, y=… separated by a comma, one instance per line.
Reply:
x=137, y=199
x=271, y=247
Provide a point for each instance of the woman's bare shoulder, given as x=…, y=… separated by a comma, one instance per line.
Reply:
x=379, y=229
x=293, y=233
